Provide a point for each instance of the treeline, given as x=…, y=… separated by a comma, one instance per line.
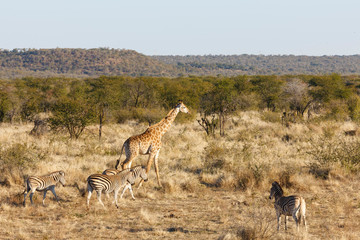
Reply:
x=72, y=104
x=266, y=65
x=79, y=63
x=83, y=63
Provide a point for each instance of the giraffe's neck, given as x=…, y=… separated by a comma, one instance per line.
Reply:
x=166, y=122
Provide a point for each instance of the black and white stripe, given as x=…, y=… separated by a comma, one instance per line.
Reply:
x=109, y=183
x=43, y=183
x=137, y=171
x=288, y=206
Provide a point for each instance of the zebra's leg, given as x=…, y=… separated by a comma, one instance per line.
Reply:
x=43, y=202
x=278, y=220
x=131, y=191
x=25, y=193
x=98, y=193
x=31, y=195
x=123, y=191
x=128, y=186
x=90, y=190
x=285, y=218
x=116, y=197
x=296, y=220
x=52, y=189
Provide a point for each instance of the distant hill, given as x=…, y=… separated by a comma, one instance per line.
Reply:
x=79, y=63
x=82, y=63
x=261, y=64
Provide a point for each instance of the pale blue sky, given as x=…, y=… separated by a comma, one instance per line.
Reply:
x=186, y=27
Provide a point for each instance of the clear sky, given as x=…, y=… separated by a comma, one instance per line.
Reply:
x=185, y=27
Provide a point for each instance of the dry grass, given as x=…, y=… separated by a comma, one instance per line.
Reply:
x=212, y=188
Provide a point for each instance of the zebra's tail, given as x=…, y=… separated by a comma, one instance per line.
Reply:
x=118, y=161
x=302, y=210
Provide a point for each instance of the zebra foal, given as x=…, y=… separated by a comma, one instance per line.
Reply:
x=288, y=206
x=43, y=183
x=137, y=171
x=110, y=183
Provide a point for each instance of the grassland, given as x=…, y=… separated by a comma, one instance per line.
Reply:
x=213, y=188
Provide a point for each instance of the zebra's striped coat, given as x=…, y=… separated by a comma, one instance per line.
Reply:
x=110, y=183
x=43, y=183
x=294, y=206
x=138, y=171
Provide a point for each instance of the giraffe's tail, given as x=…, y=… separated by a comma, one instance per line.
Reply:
x=118, y=161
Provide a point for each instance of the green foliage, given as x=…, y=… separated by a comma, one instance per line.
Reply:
x=71, y=115
x=4, y=105
x=327, y=88
x=337, y=110
x=148, y=99
x=269, y=89
x=354, y=107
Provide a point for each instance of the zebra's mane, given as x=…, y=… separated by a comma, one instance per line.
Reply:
x=53, y=173
x=278, y=188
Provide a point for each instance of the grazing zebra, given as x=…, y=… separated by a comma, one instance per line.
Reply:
x=109, y=183
x=288, y=206
x=138, y=171
x=43, y=183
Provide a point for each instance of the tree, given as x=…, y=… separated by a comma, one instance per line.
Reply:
x=103, y=94
x=296, y=94
x=327, y=88
x=71, y=115
x=269, y=89
x=220, y=101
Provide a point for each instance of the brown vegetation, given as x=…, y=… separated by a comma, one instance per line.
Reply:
x=213, y=188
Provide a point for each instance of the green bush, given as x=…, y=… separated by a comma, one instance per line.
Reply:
x=71, y=115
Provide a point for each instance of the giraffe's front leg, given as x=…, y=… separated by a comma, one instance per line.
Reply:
x=157, y=168
x=148, y=167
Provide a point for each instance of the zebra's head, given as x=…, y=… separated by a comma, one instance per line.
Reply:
x=276, y=190
x=62, y=178
x=143, y=174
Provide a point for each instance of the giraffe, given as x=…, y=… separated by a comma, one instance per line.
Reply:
x=149, y=142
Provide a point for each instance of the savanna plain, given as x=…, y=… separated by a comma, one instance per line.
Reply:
x=213, y=187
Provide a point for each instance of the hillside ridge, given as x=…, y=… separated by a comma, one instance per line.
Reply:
x=82, y=63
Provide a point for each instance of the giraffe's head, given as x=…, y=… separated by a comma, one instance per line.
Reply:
x=182, y=107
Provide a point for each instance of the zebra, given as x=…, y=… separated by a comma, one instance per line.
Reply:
x=109, y=183
x=288, y=206
x=138, y=171
x=43, y=183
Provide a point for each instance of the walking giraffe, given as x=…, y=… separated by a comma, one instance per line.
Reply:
x=149, y=142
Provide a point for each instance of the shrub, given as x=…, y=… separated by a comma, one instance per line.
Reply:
x=215, y=158
x=71, y=115
x=328, y=153
x=273, y=117
x=338, y=110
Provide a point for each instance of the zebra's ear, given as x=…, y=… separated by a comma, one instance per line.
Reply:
x=62, y=173
x=275, y=183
